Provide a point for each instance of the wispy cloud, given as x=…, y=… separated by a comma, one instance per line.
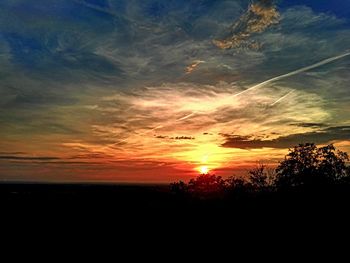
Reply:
x=154, y=114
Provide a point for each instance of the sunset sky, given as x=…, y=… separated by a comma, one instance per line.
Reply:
x=161, y=90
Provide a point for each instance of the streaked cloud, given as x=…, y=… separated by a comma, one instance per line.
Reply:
x=26, y=158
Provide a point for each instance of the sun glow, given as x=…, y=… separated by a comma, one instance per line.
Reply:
x=204, y=169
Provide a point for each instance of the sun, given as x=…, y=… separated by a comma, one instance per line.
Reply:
x=204, y=169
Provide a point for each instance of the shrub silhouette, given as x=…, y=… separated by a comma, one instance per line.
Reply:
x=308, y=165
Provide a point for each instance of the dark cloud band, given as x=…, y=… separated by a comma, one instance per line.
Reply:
x=324, y=136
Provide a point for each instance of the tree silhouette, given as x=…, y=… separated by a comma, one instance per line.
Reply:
x=308, y=165
x=179, y=188
x=206, y=186
x=237, y=187
x=259, y=177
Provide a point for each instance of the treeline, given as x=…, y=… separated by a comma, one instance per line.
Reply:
x=306, y=168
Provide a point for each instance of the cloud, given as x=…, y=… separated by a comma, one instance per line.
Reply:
x=90, y=156
x=12, y=153
x=174, y=138
x=96, y=7
x=309, y=125
x=26, y=158
x=193, y=66
x=324, y=136
x=161, y=137
x=152, y=115
x=183, y=138
x=102, y=80
x=303, y=17
x=260, y=15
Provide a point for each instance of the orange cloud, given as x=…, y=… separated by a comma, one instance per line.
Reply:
x=260, y=16
x=193, y=66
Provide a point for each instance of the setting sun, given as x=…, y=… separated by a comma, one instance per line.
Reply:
x=204, y=169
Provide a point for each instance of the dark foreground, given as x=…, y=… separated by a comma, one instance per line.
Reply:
x=136, y=215
x=146, y=201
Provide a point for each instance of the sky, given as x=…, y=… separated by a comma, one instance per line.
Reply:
x=156, y=90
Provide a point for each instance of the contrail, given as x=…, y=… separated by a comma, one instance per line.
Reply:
x=262, y=84
x=95, y=7
x=282, y=98
x=102, y=9
x=319, y=64
x=186, y=117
